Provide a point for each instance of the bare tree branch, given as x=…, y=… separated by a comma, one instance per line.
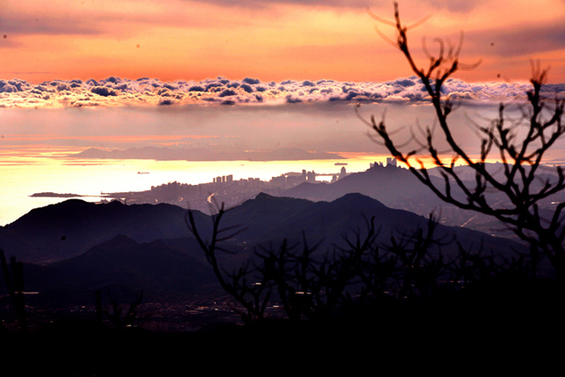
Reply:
x=520, y=145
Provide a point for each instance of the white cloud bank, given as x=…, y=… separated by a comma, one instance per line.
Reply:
x=115, y=91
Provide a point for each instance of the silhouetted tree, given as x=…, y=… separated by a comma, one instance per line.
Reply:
x=420, y=272
x=115, y=316
x=519, y=145
x=318, y=285
x=14, y=278
x=252, y=295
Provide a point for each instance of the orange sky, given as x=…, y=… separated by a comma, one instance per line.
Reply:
x=270, y=40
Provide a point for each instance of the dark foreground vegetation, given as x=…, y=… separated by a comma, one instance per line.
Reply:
x=496, y=324
x=500, y=330
x=385, y=305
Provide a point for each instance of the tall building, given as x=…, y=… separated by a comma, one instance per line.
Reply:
x=390, y=161
x=311, y=176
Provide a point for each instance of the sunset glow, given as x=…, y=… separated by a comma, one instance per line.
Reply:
x=194, y=40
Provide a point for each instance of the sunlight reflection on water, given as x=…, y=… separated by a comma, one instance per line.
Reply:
x=28, y=174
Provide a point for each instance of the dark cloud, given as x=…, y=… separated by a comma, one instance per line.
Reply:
x=12, y=86
x=523, y=41
x=227, y=92
x=196, y=88
x=14, y=24
x=260, y=4
x=166, y=101
x=251, y=81
x=104, y=91
x=455, y=6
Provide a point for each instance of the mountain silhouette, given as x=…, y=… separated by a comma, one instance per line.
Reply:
x=393, y=186
x=125, y=268
x=127, y=249
x=268, y=220
x=153, y=265
x=398, y=188
x=64, y=230
x=68, y=229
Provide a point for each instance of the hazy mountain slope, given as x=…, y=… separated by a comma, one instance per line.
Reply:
x=269, y=219
x=393, y=186
x=399, y=188
x=70, y=228
x=122, y=266
x=175, y=265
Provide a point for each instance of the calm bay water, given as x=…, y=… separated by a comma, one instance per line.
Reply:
x=29, y=173
x=34, y=144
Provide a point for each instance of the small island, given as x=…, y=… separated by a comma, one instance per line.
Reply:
x=54, y=195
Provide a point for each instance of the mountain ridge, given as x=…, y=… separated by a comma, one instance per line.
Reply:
x=61, y=231
x=69, y=228
x=122, y=267
x=173, y=264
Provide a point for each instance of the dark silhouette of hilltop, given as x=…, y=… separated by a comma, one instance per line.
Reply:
x=61, y=231
x=128, y=249
x=68, y=229
x=268, y=220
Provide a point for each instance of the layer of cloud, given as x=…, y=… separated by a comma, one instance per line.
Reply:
x=451, y=5
x=260, y=4
x=114, y=91
x=49, y=26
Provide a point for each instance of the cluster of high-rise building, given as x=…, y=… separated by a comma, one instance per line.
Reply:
x=286, y=180
x=224, y=188
x=223, y=179
x=390, y=161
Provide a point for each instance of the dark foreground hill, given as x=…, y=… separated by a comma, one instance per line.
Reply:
x=64, y=230
x=498, y=318
x=128, y=249
x=412, y=340
x=124, y=268
x=68, y=229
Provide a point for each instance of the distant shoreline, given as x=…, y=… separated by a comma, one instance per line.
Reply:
x=202, y=154
x=57, y=195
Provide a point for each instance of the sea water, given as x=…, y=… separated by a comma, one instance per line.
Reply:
x=47, y=171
